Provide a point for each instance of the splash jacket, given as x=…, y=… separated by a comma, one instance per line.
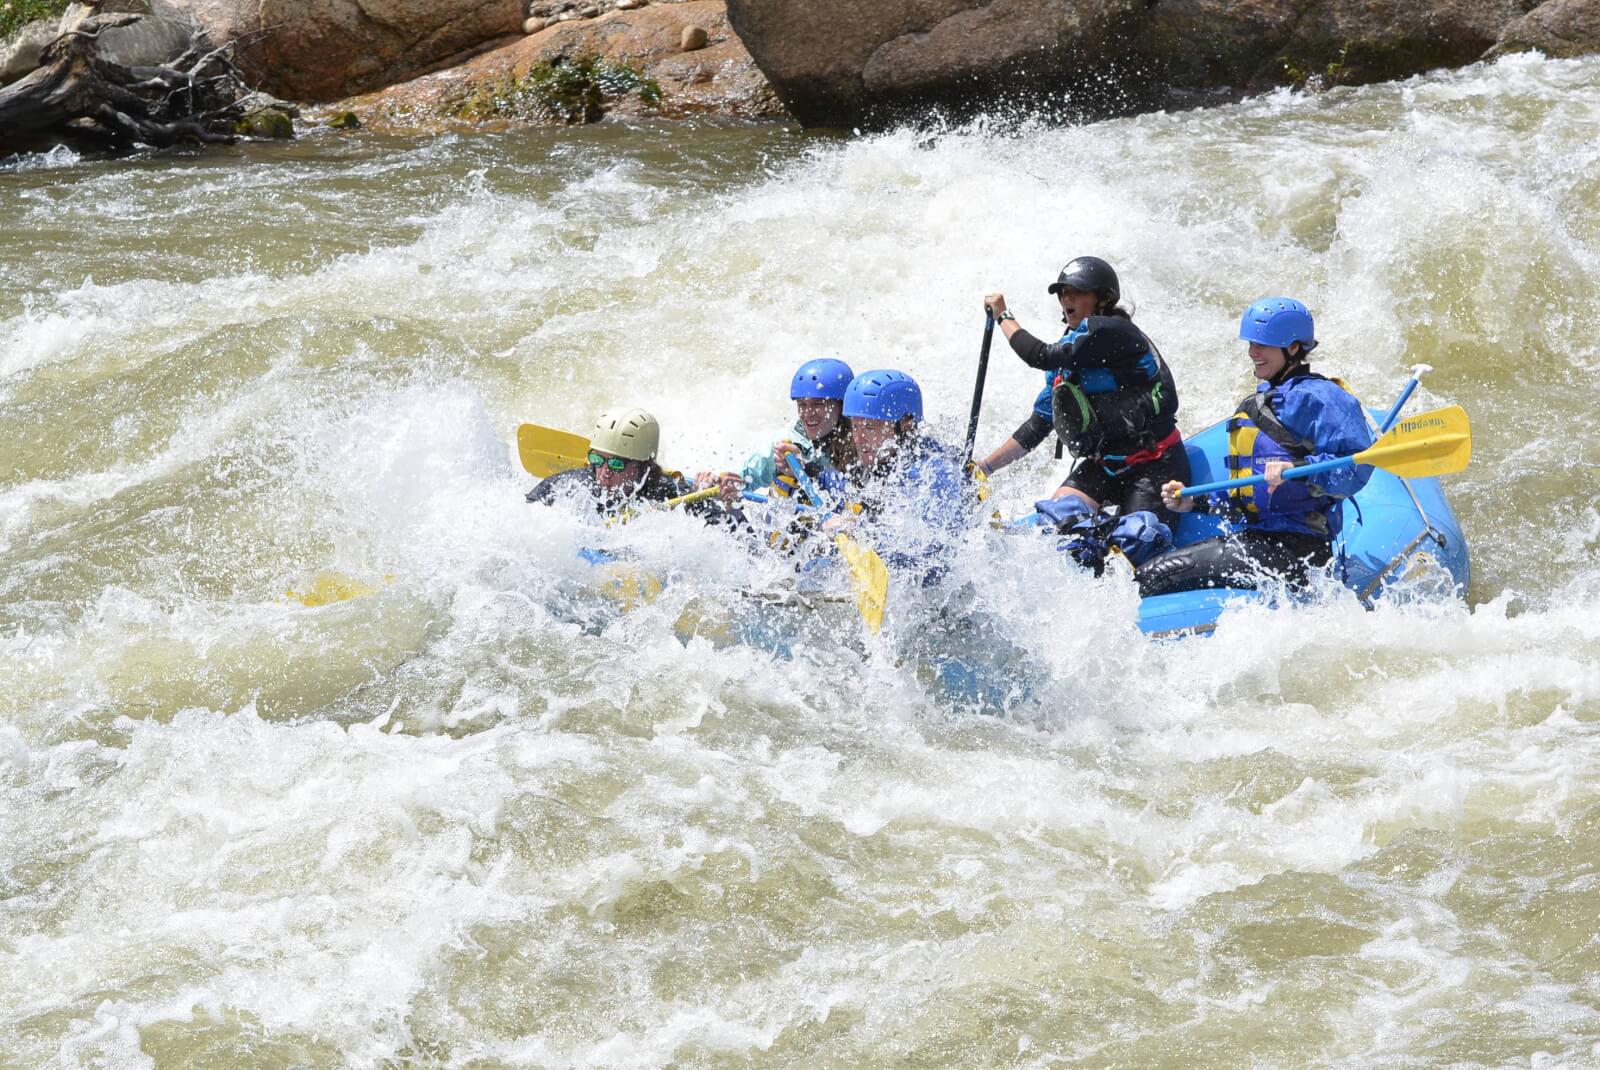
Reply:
x=1303, y=419
x=659, y=486
x=1284, y=533
x=914, y=505
x=1041, y=421
x=759, y=469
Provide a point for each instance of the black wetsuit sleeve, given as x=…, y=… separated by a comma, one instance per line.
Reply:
x=1109, y=342
x=546, y=490
x=1034, y=430
x=1046, y=356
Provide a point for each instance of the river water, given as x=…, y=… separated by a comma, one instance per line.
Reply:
x=460, y=820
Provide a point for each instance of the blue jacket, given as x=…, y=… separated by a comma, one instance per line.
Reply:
x=914, y=509
x=1329, y=422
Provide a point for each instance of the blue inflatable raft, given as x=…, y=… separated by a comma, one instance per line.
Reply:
x=1395, y=531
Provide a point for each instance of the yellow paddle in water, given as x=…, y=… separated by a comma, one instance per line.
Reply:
x=1433, y=444
x=329, y=587
x=868, y=575
x=546, y=451
x=870, y=578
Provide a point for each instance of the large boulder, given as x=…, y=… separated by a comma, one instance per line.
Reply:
x=630, y=62
x=161, y=36
x=844, y=62
x=848, y=62
x=321, y=50
x=19, y=53
x=1561, y=28
x=1254, y=44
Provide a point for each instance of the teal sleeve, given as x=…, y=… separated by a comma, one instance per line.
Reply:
x=758, y=470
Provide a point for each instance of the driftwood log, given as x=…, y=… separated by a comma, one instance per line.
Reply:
x=80, y=99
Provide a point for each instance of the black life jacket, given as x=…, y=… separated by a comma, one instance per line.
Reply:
x=1124, y=402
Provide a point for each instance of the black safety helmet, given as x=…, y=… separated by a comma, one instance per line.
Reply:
x=1091, y=275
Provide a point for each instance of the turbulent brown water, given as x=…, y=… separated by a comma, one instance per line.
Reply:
x=477, y=817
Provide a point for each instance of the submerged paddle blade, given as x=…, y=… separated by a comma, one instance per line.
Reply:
x=1432, y=444
x=329, y=587
x=546, y=451
x=870, y=578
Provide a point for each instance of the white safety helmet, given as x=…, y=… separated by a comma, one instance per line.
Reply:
x=630, y=433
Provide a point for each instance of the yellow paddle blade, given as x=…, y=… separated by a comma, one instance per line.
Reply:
x=546, y=451
x=1433, y=444
x=627, y=586
x=870, y=578
x=329, y=587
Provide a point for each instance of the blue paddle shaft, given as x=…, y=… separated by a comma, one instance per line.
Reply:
x=1394, y=412
x=1300, y=471
x=804, y=480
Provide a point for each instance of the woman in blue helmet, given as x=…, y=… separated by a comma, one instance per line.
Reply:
x=820, y=435
x=911, y=487
x=1295, y=416
x=1108, y=395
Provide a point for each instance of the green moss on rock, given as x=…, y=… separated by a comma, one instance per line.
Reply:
x=15, y=14
x=268, y=123
x=564, y=89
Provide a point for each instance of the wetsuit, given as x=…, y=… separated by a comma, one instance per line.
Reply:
x=1112, y=399
x=1303, y=418
x=659, y=486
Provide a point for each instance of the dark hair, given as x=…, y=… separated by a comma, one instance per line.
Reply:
x=839, y=446
x=1113, y=310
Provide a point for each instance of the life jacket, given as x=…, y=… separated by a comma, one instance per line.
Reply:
x=1256, y=437
x=1119, y=410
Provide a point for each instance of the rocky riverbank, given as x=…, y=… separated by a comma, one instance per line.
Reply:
x=671, y=60
x=411, y=65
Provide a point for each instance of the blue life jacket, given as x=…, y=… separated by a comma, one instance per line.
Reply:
x=1304, y=419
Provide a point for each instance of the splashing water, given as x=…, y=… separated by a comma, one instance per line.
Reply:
x=480, y=817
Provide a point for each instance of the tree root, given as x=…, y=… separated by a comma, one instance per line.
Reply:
x=79, y=99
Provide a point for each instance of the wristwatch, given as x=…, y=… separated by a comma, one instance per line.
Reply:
x=1006, y=315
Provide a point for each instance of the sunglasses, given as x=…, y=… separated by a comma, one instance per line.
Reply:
x=616, y=464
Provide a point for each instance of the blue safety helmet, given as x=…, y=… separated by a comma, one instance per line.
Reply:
x=822, y=378
x=884, y=394
x=1280, y=322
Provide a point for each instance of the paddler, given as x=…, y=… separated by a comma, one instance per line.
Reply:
x=911, y=492
x=1110, y=398
x=1294, y=416
x=622, y=470
x=819, y=437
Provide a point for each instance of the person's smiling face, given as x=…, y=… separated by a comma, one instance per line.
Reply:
x=819, y=416
x=1267, y=361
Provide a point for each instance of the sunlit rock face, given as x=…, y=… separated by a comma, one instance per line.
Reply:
x=849, y=62
x=328, y=49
